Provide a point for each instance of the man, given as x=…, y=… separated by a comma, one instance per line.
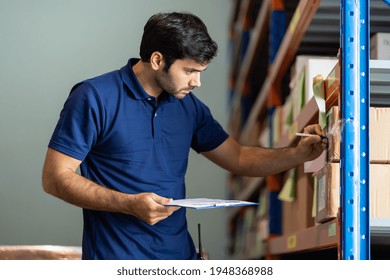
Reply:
x=130, y=132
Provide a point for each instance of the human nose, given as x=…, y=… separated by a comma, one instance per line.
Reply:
x=195, y=81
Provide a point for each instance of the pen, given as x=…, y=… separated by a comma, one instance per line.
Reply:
x=307, y=134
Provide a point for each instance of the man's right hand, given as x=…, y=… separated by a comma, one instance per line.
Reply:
x=59, y=178
x=149, y=207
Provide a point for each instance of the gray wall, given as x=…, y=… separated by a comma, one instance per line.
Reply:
x=46, y=46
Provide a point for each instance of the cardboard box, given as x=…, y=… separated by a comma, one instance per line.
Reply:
x=380, y=46
x=316, y=164
x=328, y=191
x=379, y=191
x=288, y=114
x=39, y=252
x=333, y=132
x=379, y=135
x=277, y=124
x=332, y=87
x=303, y=71
x=297, y=215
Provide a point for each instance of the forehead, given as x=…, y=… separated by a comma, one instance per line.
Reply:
x=188, y=63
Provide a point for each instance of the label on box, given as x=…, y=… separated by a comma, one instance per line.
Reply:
x=321, y=193
x=332, y=230
x=292, y=242
x=328, y=192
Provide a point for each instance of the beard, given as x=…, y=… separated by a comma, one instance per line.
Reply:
x=180, y=94
x=166, y=83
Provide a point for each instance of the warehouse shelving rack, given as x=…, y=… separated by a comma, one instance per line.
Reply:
x=350, y=232
x=354, y=152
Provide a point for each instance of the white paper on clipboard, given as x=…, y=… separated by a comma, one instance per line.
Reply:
x=208, y=203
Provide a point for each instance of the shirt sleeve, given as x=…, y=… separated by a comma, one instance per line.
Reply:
x=79, y=124
x=208, y=134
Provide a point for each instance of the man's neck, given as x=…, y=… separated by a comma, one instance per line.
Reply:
x=145, y=75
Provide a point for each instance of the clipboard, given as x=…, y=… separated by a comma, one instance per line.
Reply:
x=209, y=203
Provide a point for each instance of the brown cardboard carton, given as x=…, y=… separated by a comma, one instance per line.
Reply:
x=297, y=215
x=39, y=252
x=379, y=135
x=304, y=69
x=380, y=46
x=332, y=87
x=333, y=132
x=316, y=164
x=379, y=190
x=328, y=191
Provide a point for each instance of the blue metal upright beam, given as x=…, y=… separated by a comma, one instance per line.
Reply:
x=355, y=103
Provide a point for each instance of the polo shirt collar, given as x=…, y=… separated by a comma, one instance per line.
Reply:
x=130, y=79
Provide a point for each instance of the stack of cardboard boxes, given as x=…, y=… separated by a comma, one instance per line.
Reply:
x=298, y=191
x=315, y=191
x=303, y=71
x=327, y=179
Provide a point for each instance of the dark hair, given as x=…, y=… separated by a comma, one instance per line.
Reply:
x=177, y=36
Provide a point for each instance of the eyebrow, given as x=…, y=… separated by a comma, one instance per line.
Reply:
x=194, y=69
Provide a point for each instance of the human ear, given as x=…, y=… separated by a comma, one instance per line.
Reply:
x=157, y=60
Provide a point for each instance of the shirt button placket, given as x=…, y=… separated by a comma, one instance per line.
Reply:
x=155, y=125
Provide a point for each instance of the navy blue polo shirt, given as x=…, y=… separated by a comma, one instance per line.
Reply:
x=129, y=142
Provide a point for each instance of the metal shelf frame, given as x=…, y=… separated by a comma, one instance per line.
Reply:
x=354, y=149
x=361, y=80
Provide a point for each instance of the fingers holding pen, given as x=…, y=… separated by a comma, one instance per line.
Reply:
x=315, y=129
x=318, y=132
x=313, y=142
